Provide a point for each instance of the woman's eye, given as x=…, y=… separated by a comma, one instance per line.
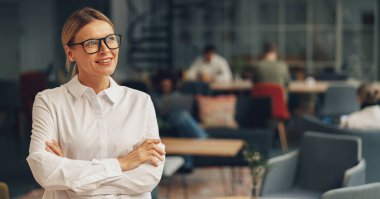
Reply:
x=111, y=38
x=91, y=43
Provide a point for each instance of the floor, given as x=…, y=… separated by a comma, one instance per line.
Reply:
x=203, y=183
x=206, y=183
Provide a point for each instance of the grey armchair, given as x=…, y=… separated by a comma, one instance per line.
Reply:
x=370, y=142
x=367, y=191
x=339, y=100
x=324, y=162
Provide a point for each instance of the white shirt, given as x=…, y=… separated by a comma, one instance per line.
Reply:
x=92, y=130
x=365, y=119
x=217, y=68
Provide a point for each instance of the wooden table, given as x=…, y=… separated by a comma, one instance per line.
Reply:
x=317, y=86
x=232, y=86
x=241, y=197
x=202, y=147
x=304, y=87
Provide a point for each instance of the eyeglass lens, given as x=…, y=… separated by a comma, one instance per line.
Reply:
x=93, y=45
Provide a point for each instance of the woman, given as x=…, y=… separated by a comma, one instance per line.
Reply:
x=270, y=68
x=92, y=138
x=368, y=118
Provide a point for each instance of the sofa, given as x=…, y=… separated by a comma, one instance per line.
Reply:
x=252, y=114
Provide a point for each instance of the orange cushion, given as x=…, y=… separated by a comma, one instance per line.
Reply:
x=218, y=111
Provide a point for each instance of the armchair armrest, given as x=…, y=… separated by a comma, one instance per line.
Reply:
x=280, y=173
x=355, y=175
x=367, y=191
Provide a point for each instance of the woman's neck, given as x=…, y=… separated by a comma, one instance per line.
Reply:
x=271, y=56
x=97, y=83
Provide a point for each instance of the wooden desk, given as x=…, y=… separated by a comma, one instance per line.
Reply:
x=303, y=87
x=232, y=86
x=202, y=147
x=241, y=197
x=316, y=87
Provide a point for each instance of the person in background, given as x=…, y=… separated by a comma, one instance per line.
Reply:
x=165, y=82
x=368, y=118
x=175, y=120
x=92, y=138
x=166, y=97
x=270, y=68
x=210, y=67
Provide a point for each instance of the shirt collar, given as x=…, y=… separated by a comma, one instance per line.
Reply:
x=77, y=89
x=113, y=92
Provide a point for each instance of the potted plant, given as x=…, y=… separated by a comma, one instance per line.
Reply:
x=257, y=165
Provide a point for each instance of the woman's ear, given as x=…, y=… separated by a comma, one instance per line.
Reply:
x=69, y=53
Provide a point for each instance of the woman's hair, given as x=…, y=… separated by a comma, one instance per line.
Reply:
x=75, y=23
x=367, y=94
x=163, y=74
x=268, y=47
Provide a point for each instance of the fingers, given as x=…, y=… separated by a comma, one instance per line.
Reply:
x=152, y=144
x=157, y=155
x=150, y=152
x=49, y=150
x=155, y=158
x=54, y=147
x=154, y=161
x=159, y=150
x=154, y=141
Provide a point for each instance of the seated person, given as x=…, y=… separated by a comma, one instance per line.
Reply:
x=170, y=120
x=210, y=67
x=368, y=118
x=270, y=68
x=165, y=82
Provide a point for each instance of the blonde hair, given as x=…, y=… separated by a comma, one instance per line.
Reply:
x=367, y=93
x=74, y=23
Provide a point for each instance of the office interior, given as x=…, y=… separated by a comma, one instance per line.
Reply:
x=325, y=44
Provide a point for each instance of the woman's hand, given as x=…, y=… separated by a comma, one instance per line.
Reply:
x=54, y=148
x=148, y=151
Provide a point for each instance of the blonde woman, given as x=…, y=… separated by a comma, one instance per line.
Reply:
x=368, y=117
x=92, y=138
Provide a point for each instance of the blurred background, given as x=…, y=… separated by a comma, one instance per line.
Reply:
x=319, y=40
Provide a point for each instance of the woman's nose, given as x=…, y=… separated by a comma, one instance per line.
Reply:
x=103, y=47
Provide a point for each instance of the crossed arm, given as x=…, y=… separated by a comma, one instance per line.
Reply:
x=137, y=172
x=144, y=157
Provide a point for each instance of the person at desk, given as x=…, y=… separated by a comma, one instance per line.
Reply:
x=92, y=138
x=269, y=68
x=172, y=106
x=368, y=118
x=173, y=113
x=210, y=67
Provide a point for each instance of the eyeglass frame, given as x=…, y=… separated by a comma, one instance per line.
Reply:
x=99, y=44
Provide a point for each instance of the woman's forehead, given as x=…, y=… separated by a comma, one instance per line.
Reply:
x=93, y=30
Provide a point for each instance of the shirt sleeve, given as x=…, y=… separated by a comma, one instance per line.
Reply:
x=225, y=74
x=142, y=179
x=56, y=173
x=193, y=71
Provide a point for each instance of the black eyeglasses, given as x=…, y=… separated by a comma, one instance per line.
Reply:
x=92, y=46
